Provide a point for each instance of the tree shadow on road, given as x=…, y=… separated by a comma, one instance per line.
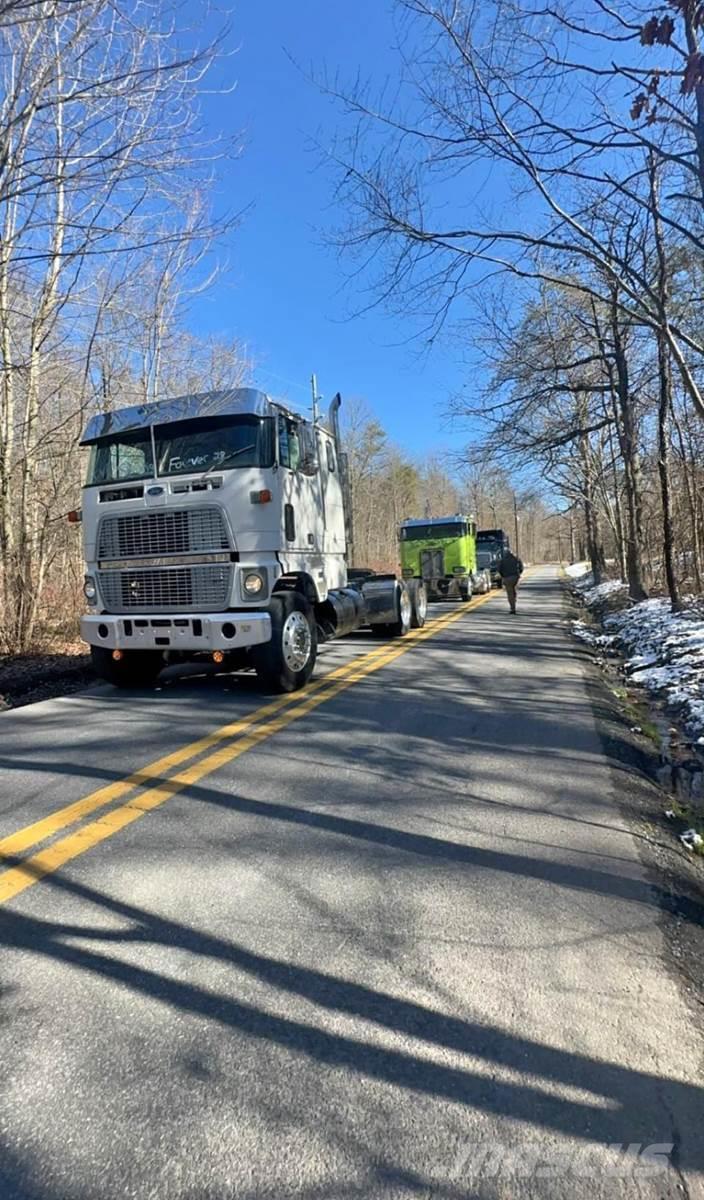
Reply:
x=366, y=1032
x=627, y=1105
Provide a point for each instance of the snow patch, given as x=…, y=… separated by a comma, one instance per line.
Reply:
x=691, y=839
x=612, y=587
x=664, y=650
x=575, y=570
x=594, y=594
x=586, y=633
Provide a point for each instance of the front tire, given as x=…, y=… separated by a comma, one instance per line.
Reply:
x=136, y=668
x=286, y=662
x=465, y=586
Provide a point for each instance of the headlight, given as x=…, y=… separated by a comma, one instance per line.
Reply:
x=89, y=589
x=252, y=583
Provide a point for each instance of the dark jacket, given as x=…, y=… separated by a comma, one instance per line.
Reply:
x=510, y=567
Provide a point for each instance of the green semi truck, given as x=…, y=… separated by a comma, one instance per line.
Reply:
x=442, y=551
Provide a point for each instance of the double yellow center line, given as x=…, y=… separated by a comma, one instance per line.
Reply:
x=232, y=740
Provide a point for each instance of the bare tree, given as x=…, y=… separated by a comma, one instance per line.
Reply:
x=495, y=90
x=101, y=145
x=588, y=123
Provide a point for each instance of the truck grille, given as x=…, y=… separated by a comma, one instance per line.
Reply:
x=169, y=531
x=167, y=589
x=432, y=564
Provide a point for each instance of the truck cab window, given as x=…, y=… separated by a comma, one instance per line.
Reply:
x=297, y=448
x=294, y=448
x=308, y=449
x=289, y=446
x=441, y=529
x=118, y=458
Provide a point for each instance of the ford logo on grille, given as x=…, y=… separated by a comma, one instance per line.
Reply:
x=155, y=491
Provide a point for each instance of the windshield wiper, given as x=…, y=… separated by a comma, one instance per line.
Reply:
x=228, y=457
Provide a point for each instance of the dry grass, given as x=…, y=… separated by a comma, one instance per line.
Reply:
x=57, y=661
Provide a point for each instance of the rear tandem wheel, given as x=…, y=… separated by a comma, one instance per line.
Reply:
x=404, y=608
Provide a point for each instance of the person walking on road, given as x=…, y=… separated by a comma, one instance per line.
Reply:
x=510, y=570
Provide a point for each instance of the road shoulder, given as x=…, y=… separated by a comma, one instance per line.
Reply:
x=676, y=876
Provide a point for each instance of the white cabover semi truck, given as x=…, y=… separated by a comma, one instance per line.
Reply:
x=217, y=525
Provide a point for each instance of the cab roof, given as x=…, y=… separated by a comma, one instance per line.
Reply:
x=226, y=402
x=436, y=520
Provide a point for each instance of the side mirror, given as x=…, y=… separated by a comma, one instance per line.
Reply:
x=308, y=465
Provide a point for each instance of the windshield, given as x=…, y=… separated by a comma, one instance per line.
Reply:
x=127, y=456
x=183, y=447
x=490, y=537
x=448, y=529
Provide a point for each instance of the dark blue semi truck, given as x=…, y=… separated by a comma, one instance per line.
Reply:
x=491, y=546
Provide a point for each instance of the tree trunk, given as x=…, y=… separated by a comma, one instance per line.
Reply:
x=618, y=506
x=628, y=440
x=690, y=491
x=664, y=398
x=664, y=409
x=595, y=549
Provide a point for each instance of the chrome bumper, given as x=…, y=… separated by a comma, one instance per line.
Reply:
x=188, y=632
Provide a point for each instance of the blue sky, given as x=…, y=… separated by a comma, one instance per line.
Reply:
x=284, y=292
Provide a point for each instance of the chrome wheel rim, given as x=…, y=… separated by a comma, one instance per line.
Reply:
x=296, y=641
x=422, y=603
x=405, y=608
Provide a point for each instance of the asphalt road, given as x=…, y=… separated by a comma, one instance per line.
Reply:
x=390, y=938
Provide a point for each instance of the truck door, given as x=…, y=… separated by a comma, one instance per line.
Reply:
x=334, y=531
x=301, y=489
